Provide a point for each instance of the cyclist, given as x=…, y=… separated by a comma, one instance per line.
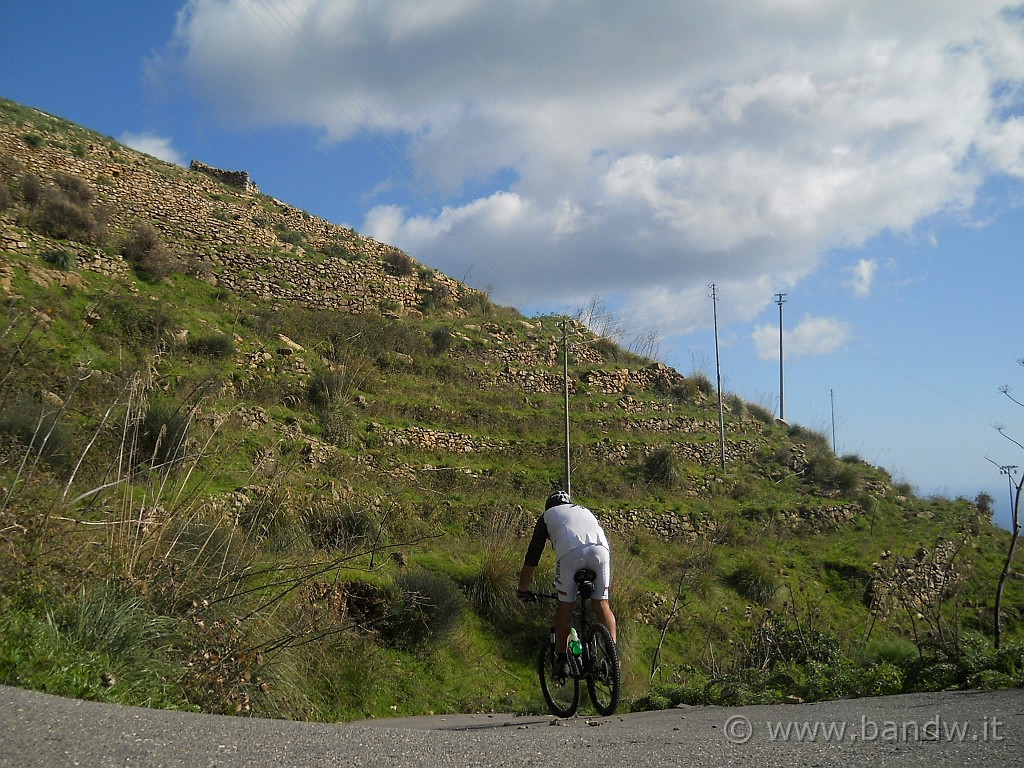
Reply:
x=579, y=542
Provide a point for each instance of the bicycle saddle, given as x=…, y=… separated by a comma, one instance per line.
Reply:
x=585, y=579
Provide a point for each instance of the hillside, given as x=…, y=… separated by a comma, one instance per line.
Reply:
x=254, y=462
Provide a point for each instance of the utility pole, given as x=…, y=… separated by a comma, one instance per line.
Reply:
x=780, y=299
x=832, y=399
x=565, y=384
x=718, y=370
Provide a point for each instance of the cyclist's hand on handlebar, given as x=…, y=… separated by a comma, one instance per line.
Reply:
x=527, y=596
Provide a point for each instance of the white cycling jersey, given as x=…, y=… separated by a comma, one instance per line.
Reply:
x=571, y=526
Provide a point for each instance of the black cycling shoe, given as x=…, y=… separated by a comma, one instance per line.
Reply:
x=561, y=667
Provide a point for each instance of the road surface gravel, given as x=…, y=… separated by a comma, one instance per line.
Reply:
x=935, y=730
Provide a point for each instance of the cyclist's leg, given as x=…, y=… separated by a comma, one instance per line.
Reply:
x=601, y=561
x=603, y=613
x=563, y=623
x=565, y=586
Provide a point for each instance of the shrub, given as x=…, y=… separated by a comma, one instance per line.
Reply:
x=828, y=472
x=75, y=188
x=661, y=467
x=737, y=405
x=292, y=237
x=476, y=303
x=60, y=259
x=37, y=427
x=491, y=590
x=215, y=345
x=192, y=558
x=147, y=254
x=755, y=581
x=67, y=216
x=134, y=320
x=427, y=611
x=325, y=388
x=163, y=433
x=441, y=337
x=399, y=263
x=760, y=413
x=269, y=520
x=340, y=251
x=439, y=297
x=31, y=189
x=6, y=198
x=388, y=306
x=345, y=527
x=100, y=617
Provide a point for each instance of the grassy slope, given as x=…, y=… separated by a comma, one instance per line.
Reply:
x=269, y=569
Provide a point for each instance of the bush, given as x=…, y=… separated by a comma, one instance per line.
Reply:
x=66, y=215
x=755, y=581
x=345, y=527
x=474, y=303
x=134, y=321
x=215, y=345
x=31, y=189
x=437, y=298
x=102, y=618
x=75, y=188
x=427, y=611
x=163, y=433
x=325, y=388
x=147, y=254
x=6, y=198
x=37, y=427
x=60, y=259
x=441, y=337
x=661, y=467
x=399, y=264
x=760, y=413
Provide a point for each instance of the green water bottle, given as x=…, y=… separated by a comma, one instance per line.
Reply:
x=575, y=646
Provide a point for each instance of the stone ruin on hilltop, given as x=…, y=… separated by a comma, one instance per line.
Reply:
x=237, y=179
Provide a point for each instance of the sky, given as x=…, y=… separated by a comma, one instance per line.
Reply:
x=864, y=159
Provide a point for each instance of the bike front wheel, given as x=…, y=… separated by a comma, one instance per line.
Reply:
x=604, y=681
x=563, y=696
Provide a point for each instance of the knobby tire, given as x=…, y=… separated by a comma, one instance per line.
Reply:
x=563, y=699
x=605, y=679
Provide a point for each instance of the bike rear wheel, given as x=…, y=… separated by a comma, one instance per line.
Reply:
x=605, y=679
x=562, y=696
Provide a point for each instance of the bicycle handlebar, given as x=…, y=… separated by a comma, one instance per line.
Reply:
x=530, y=596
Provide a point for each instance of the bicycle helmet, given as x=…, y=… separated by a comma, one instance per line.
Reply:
x=557, y=498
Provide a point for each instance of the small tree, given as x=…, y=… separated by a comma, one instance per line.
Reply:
x=1015, y=494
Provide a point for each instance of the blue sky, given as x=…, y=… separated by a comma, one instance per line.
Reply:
x=864, y=158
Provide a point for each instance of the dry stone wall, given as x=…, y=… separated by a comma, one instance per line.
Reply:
x=238, y=179
x=250, y=243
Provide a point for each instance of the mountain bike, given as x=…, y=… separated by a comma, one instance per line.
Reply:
x=597, y=662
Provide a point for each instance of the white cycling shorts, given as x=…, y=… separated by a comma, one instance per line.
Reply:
x=594, y=556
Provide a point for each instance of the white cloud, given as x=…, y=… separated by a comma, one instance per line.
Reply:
x=811, y=337
x=159, y=147
x=862, y=276
x=649, y=148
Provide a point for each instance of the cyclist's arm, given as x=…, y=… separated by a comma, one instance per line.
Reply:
x=533, y=553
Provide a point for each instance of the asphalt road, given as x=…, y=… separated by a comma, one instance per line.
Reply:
x=934, y=730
